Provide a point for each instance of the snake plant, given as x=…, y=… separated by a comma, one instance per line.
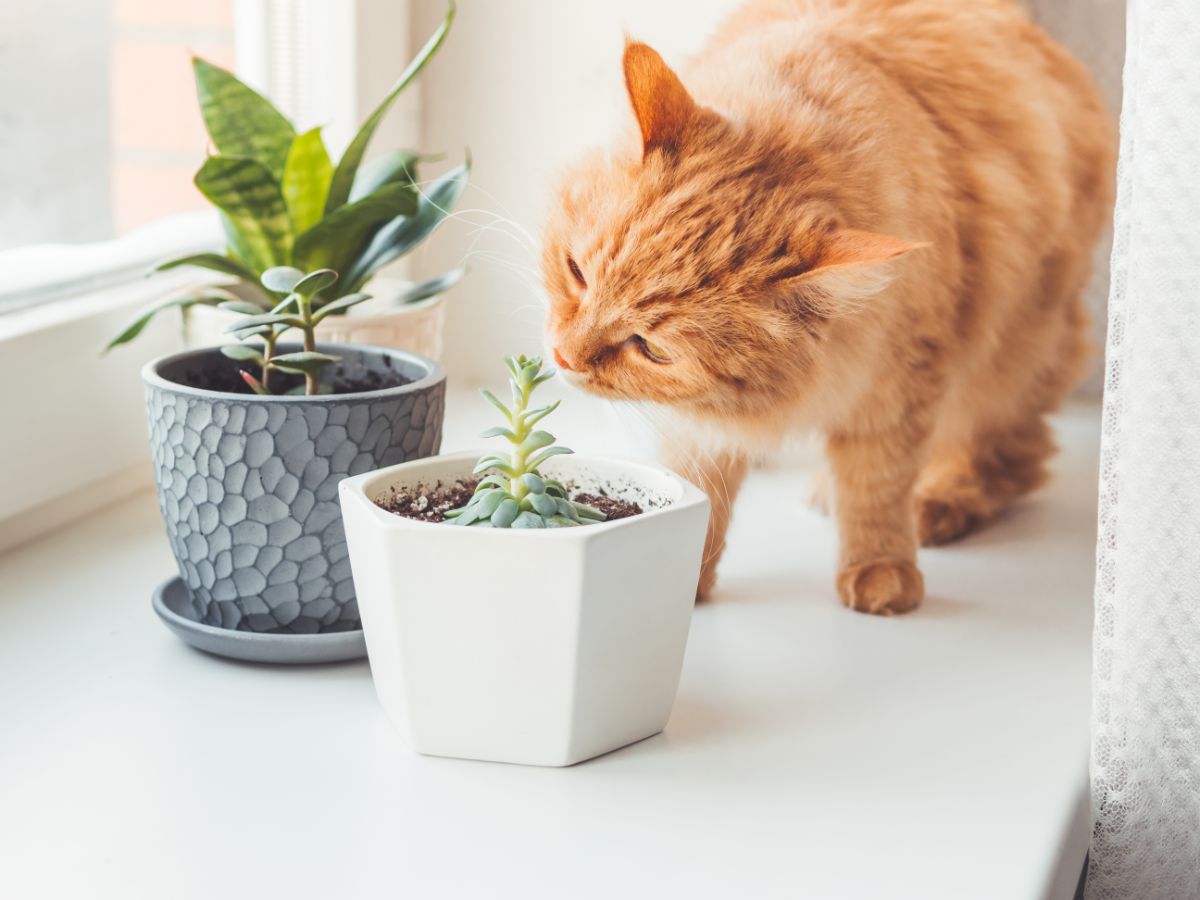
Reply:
x=513, y=493
x=283, y=202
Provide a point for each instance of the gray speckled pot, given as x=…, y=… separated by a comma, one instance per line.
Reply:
x=248, y=485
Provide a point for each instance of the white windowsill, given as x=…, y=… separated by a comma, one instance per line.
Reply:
x=812, y=752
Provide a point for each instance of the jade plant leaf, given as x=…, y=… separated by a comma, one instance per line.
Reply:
x=305, y=181
x=250, y=198
x=347, y=167
x=243, y=352
x=315, y=282
x=303, y=363
x=282, y=279
x=340, y=305
x=241, y=122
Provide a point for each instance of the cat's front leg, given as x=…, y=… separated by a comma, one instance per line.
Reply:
x=875, y=474
x=719, y=475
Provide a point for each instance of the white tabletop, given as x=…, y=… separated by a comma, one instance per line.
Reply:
x=813, y=752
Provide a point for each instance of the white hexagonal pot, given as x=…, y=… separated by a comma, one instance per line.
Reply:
x=543, y=647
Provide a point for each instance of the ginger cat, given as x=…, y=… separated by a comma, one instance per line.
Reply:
x=874, y=218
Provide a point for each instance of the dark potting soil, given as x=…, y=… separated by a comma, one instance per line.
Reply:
x=225, y=378
x=430, y=504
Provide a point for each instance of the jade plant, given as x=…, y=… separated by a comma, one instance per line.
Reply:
x=513, y=493
x=301, y=309
x=283, y=202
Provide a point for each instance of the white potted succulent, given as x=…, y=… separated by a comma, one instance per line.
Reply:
x=283, y=202
x=531, y=607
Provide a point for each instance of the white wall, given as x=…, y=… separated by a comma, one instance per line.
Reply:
x=526, y=85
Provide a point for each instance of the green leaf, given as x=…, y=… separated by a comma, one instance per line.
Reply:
x=492, y=499
x=536, y=415
x=494, y=400
x=492, y=480
x=533, y=483
x=560, y=522
x=340, y=305
x=498, y=431
x=536, y=441
x=505, y=513
x=281, y=279
x=214, y=261
x=265, y=319
x=347, y=167
x=528, y=520
x=588, y=512
x=397, y=238
x=305, y=182
x=341, y=237
x=241, y=307
x=243, y=353
x=545, y=455
x=303, y=363
x=567, y=509
x=432, y=287
x=240, y=121
x=139, y=323
x=245, y=191
x=543, y=503
x=315, y=282
x=396, y=165
x=555, y=488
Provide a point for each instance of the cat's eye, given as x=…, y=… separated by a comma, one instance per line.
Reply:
x=651, y=350
x=576, y=272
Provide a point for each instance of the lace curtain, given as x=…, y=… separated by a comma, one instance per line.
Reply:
x=1146, y=683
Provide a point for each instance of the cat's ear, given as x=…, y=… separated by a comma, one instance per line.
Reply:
x=661, y=103
x=854, y=263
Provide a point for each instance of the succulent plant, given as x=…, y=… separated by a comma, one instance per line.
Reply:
x=298, y=309
x=513, y=493
x=283, y=201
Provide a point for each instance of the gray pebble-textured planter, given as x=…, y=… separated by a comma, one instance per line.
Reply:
x=248, y=485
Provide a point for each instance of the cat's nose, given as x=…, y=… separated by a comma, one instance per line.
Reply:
x=561, y=360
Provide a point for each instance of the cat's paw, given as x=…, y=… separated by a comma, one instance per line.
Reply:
x=883, y=587
x=940, y=522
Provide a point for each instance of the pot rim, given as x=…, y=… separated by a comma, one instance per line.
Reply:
x=355, y=487
x=434, y=373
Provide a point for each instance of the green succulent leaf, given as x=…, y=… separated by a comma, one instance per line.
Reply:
x=545, y=455
x=241, y=307
x=555, y=488
x=267, y=319
x=533, y=483
x=340, y=305
x=528, y=520
x=243, y=353
x=536, y=441
x=305, y=182
x=489, y=502
x=338, y=239
x=347, y=168
x=560, y=522
x=245, y=191
x=315, y=282
x=505, y=513
x=492, y=480
x=567, y=509
x=240, y=121
x=139, y=322
x=498, y=431
x=495, y=401
x=398, y=237
x=544, y=504
x=214, y=261
x=534, y=416
x=282, y=279
x=303, y=363
x=432, y=287
x=588, y=512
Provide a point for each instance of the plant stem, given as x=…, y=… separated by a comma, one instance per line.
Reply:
x=519, y=457
x=268, y=353
x=312, y=385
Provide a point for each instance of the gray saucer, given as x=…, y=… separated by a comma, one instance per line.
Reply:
x=174, y=607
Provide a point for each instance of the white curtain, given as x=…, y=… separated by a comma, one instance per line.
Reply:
x=1146, y=716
